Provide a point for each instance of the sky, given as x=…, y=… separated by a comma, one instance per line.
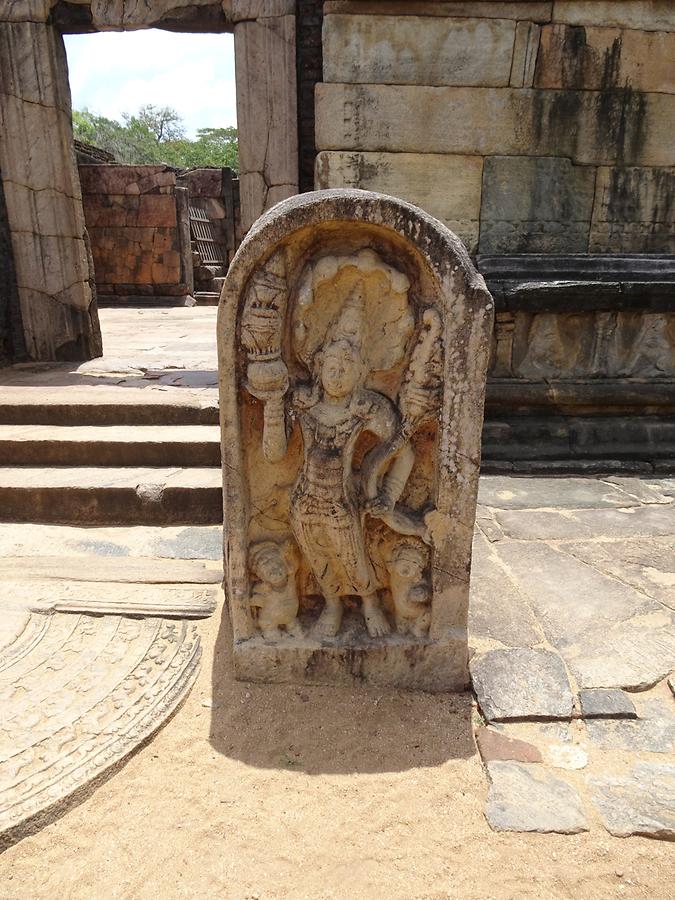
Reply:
x=112, y=73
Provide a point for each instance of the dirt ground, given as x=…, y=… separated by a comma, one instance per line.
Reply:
x=259, y=791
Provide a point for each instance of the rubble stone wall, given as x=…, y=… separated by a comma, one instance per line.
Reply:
x=542, y=127
x=133, y=224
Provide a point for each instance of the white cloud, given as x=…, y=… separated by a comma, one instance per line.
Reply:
x=112, y=73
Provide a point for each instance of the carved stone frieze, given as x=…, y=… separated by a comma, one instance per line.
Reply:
x=353, y=343
x=77, y=694
x=602, y=344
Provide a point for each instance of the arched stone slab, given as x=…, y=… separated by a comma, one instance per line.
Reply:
x=78, y=693
x=353, y=339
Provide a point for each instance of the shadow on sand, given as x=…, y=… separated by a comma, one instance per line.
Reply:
x=333, y=730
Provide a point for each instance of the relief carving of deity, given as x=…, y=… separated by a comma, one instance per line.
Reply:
x=344, y=331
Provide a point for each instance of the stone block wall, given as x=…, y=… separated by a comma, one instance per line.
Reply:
x=42, y=193
x=540, y=127
x=133, y=220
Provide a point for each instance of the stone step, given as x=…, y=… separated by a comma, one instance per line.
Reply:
x=111, y=495
x=119, y=543
x=75, y=405
x=110, y=445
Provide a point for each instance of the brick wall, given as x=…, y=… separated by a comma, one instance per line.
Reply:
x=131, y=217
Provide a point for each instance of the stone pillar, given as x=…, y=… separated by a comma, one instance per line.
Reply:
x=183, y=222
x=264, y=47
x=42, y=192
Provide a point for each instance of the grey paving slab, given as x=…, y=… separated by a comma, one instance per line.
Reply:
x=564, y=524
x=653, y=731
x=643, y=489
x=630, y=522
x=521, y=683
x=507, y=492
x=496, y=609
x=609, y=634
x=606, y=704
x=646, y=564
x=527, y=797
x=641, y=802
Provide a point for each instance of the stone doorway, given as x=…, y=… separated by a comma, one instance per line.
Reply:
x=50, y=281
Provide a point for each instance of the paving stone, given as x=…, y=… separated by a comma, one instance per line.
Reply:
x=644, y=491
x=562, y=745
x=654, y=731
x=521, y=683
x=606, y=704
x=634, y=655
x=502, y=492
x=496, y=609
x=609, y=634
x=648, y=565
x=541, y=524
x=493, y=745
x=526, y=797
x=642, y=520
x=641, y=802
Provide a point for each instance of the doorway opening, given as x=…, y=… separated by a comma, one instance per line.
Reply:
x=155, y=130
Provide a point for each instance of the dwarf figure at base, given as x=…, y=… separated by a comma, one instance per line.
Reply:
x=275, y=594
x=410, y=590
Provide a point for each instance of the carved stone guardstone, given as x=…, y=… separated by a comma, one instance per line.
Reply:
x=353, y=340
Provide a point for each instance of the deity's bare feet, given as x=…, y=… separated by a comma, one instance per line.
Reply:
x=271, y=633
x=376, y=621
x=295, y=629
x=328, y=623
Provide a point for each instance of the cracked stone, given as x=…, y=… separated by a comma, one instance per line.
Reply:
x=521, y=684
x=526, y=797
x=642, y=802
x=606, y=704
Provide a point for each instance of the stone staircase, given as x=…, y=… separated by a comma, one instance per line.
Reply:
x=66, y=458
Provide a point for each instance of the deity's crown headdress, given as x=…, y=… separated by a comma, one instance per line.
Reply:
x=350, y=323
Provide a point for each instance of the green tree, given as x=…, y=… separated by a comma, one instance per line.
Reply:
x=157, y=135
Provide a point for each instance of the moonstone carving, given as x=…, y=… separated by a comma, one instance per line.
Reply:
x=352, y=375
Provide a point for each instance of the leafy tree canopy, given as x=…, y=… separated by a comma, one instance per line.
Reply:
x=157, y=135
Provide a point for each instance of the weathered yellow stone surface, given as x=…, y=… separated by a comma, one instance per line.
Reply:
x=632, y=212
x=604, y=58
x=590, y=127
x=417, y=50
x=650, y=15
x=447, y=186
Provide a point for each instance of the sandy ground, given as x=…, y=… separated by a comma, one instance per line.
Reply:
x=259, y=791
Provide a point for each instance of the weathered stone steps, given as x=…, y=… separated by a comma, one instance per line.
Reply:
x=111, y=495
x=110, y=445
x=76, y=407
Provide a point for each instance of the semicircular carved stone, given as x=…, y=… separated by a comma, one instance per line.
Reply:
x=353, y=339
x=78, y=693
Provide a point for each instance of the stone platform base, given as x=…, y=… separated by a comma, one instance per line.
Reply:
x=354, y=658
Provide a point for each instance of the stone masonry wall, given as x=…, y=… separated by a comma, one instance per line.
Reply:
x=131, y=216
x=541, y=127
x=42, y=192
